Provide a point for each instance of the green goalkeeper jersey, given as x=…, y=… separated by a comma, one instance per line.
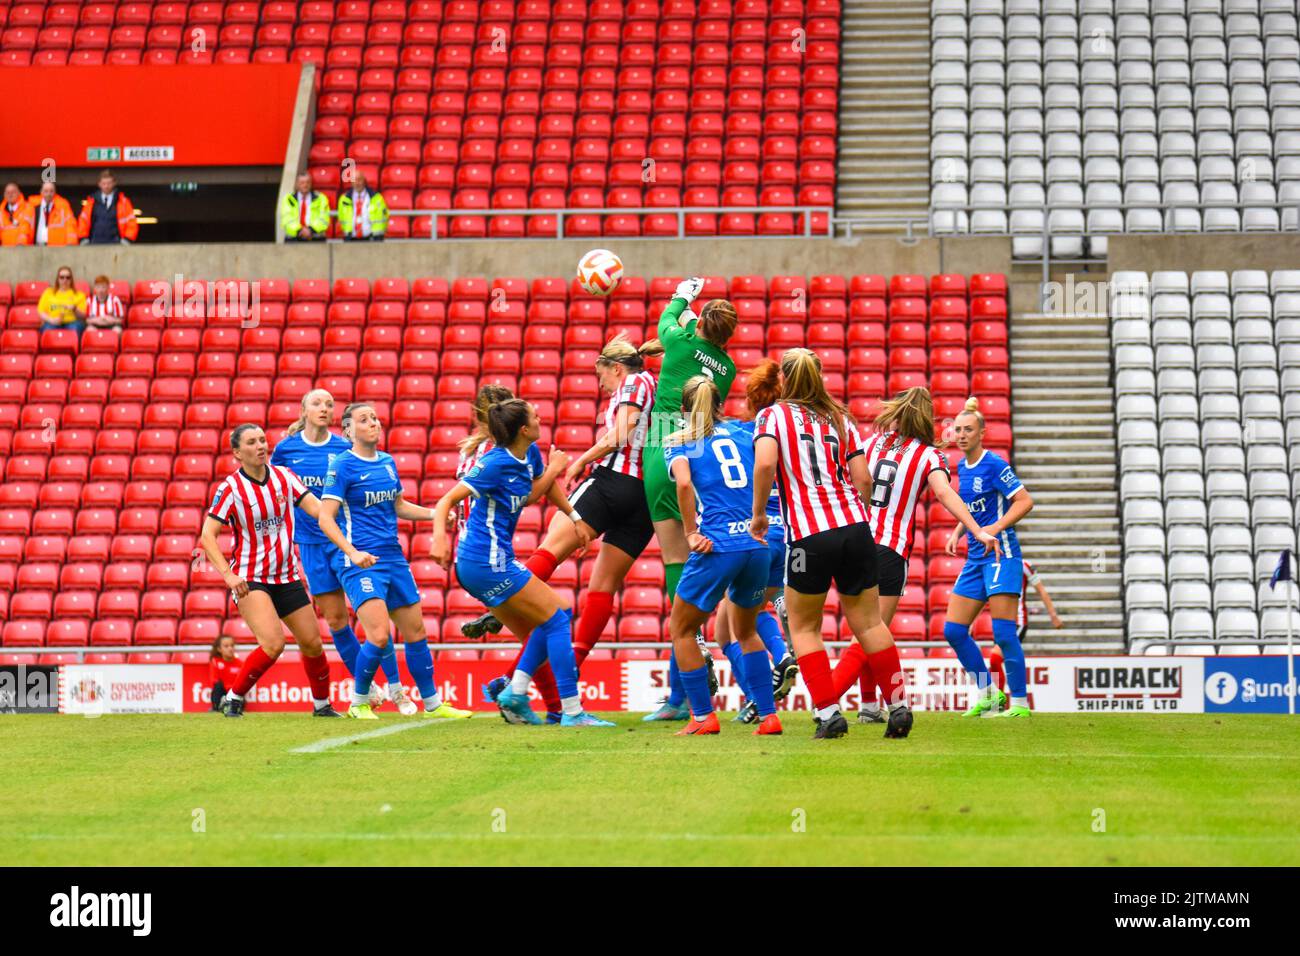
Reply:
x=685, y=356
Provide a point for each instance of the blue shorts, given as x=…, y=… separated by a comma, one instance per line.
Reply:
x=981, y=581
x=489, y=586
x=776, y=548
x=389, y=579
x=320, y=566
x=741, y=575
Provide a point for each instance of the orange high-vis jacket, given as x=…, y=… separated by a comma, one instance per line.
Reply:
x=61, y=230
x=16, y=229
x=127, y=227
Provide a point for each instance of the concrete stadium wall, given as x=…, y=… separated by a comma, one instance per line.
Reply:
x=1189, y=253
x=527, y=258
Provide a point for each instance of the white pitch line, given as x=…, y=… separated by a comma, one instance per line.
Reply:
x=330, y=743
x=855, y=754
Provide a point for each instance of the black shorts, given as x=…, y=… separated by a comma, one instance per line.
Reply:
x=893, y=571
x=615, y=506
x=287, y=598
x=846, y=556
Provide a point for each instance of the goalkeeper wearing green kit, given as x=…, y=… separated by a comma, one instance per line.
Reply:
x=693, y=345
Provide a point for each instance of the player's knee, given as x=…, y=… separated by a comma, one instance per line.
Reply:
x=954, y=633
x=335, y=620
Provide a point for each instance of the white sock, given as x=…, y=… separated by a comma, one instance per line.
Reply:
x=433, y=703
x=519, y=683
x=319, y=703
x=359, y=698
x=826, y=713
x=231, y=695
x=572, y=706
x=872, y=708
x=894, y=707
x=1020, y=702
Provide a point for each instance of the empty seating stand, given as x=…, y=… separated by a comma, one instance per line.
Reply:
x=1207, y=381
x=531, y=104
x=98, y=528
x=1117, y=116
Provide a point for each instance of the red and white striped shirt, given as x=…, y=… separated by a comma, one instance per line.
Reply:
x=111, y=309
x=464, y=465
x=261, y=516
x=900, y=468
x=637, y=390
x=812, y=469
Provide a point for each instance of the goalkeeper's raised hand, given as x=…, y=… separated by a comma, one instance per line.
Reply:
x=689, y=289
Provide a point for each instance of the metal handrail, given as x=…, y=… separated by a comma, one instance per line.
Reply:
x=562, y=213
x=1049, y=207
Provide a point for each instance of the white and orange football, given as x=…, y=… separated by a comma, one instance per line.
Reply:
x=600, y=272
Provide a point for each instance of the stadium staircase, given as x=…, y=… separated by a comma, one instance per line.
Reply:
x=1064, y=421
x=884, y=161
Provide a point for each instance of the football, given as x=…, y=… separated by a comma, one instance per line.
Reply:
x=600, y=271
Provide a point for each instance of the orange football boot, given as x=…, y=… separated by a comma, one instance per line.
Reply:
x=698, y=728
x=771, y=725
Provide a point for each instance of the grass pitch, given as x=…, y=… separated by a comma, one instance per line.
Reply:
x=284, y=789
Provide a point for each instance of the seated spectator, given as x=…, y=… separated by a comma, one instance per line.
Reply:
x=362, y=214
x=305, y=213
x=61, y=306
x=107, y=216
x=53, y=223
x=103, y=309
x=15, y=218
x=223, y=668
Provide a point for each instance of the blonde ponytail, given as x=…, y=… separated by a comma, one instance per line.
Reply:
x=702, y=403
x=909, y=414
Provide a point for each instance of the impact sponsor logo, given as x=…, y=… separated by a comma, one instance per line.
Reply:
x=76, y=909
x=380, y=497
x=1128, y=687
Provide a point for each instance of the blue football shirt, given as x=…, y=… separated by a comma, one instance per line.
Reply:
x=501, y=484
x=721, y=465
x=987, y=486
x=311, y=464
x=367, y=489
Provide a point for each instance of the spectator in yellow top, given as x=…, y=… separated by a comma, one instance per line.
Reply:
x=362, y=214
x=62, y=306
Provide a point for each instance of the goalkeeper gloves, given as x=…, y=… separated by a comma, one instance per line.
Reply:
x=689, y=289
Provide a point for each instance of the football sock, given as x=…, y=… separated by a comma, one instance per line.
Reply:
x=968, y=652
x=544, y=680
x=758, y=671
x=591, y=623
x=572, y=706
x=676, y=690
x=697, y=689
x=1013, y=655
x=816, y=671
x=770, y=633
x=848, y=668
x=318, y=676
x=532, y=658
x=1020, y=702
x=367, y=663
x=388, y=663
x=542, y=564
x=867, y=685
x=887, y=671
x=558, y=634
x=996, y=668
x=346, y=643
x=255, y=665
x=737, y=656
x=419, y=661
